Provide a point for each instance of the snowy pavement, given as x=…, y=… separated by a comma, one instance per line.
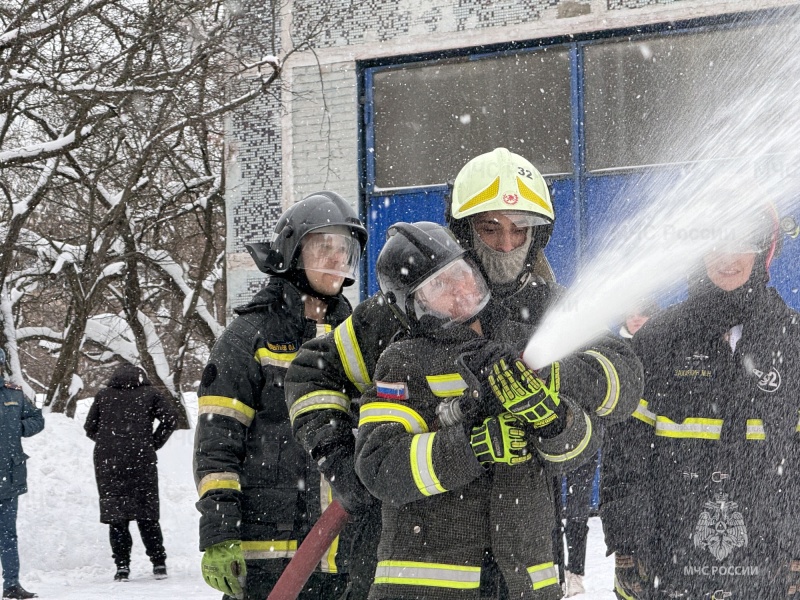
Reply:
x=64, y=548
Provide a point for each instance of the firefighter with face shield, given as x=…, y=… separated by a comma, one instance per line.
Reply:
x=455, y=484
x=260, y=492
x=501, y=213
x=699, y=490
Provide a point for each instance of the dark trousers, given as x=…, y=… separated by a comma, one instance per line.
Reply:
x=579, y=501
x=9, y=554
x=121, y=542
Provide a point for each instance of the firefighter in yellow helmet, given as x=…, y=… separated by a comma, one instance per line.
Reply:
x=502, y=215
x=501, y=211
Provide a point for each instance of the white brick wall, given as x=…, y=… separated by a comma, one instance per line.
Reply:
x=324, y=130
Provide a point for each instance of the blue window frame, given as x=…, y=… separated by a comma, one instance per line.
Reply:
x=600, y=160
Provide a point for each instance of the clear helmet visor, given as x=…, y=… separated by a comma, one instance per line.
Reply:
x=331, y=251
x=455, y=293
x=516, y=218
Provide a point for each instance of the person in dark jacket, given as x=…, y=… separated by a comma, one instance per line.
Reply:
x=260, y=493
x=700, y=490
x=120, y=422
x=502, y=215
x=580, y=485
x=18, y=419
x=445, y=451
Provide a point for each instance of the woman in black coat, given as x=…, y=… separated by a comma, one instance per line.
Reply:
x=121, y=423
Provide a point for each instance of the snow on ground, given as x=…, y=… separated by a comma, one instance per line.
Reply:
x=64, y=549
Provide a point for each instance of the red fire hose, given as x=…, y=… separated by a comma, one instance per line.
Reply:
x=310, y=552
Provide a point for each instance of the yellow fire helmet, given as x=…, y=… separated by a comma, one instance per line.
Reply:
x=502, y=180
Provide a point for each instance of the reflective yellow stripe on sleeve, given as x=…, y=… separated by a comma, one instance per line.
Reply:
x=543, y=575
x=447, y=385
x=755, y=430
x=327, y=563
x=261, y=550
x=227, y=407
x=275, y=359
x=350, y=354
x=422, y=465
x=319, y=400
x=392, y=412
x=570, y=454
x=609, y=403
x=218, y=481
x=692, y=427
x=439, y=575
x=644, y=414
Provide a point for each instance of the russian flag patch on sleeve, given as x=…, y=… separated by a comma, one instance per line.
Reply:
x=392, y=391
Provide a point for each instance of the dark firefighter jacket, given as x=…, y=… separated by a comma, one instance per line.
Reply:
x=120, y=422
x=332, y=369
x=441, y=508
x=18, y=419
x=703, y=484
x=255, y=483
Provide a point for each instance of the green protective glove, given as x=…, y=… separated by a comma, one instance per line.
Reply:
x=224, y=568
x=500, y=439
x=523, y=393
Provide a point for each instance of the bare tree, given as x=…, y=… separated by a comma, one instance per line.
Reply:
x=111, y=171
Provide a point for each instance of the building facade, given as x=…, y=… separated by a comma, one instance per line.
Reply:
x=382, y=101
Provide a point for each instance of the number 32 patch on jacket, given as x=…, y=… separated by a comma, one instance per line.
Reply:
x=391, y=391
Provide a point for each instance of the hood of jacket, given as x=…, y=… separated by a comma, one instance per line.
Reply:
x=128, y=376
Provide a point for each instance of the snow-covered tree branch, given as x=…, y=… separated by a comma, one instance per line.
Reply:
x=111, y=185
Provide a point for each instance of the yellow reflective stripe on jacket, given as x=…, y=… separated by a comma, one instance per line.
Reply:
x=327, y=563
x=692, y=427
x=392, y=412
x=323, y=328
x=227, y=407
x=570, y=454
x=755, y=430
x=400, y=572
x=256, y=550
x=543, y=575
x=609, y=403
x=447, y=385
x=422, y=464
x=644, y=414
x=275, y=359
x=319, y=400
x=218, y=481
x=350, y=354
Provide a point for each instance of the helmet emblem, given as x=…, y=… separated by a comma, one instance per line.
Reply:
x=510, y=199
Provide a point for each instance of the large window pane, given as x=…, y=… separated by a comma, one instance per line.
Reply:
x=657, y=100
x=431, y=119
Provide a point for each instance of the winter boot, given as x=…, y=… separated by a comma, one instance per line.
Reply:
x=17, y=591
x=573, y=584
x=122, y=573
x=160, y=571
